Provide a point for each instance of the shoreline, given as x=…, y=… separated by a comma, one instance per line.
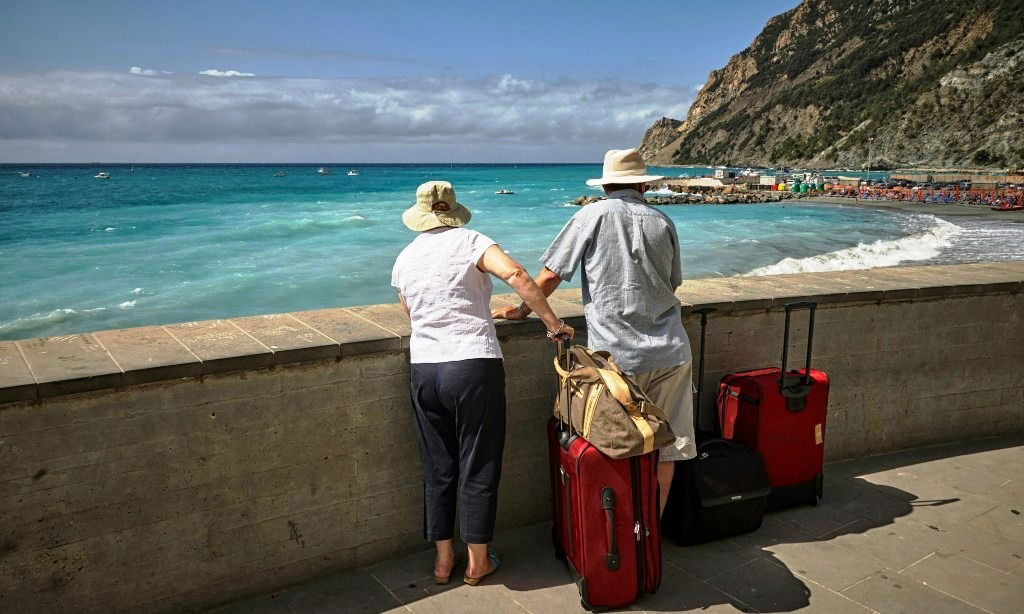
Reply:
x=942, y=209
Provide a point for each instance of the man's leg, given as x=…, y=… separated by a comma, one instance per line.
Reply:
x=672, y=390
x=666, y=469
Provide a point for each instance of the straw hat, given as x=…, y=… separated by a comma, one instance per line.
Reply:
x=623, y=166
x=425, y=216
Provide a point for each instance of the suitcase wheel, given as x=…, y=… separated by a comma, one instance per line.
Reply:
x=819, y=486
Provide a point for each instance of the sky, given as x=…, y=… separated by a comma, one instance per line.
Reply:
x=380, y=81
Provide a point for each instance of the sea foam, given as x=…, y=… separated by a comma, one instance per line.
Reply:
x=881, y=253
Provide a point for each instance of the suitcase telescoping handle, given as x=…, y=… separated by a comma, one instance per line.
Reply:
x=565, y=434
x=698, y=417
x=795, y=388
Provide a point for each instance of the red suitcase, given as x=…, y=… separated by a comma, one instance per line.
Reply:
x=781, y=415
x=605, y=520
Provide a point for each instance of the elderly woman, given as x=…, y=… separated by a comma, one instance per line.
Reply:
x=457, y=374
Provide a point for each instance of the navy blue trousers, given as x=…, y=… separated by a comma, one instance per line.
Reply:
x=460, y=417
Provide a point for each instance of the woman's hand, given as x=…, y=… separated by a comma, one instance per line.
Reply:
x=511, y=312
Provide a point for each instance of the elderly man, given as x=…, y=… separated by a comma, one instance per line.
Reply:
x=629, y=254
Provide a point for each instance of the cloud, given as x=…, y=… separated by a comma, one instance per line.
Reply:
x=138, y=70
x=503, y=117
x=288, y=53
x=213, y=72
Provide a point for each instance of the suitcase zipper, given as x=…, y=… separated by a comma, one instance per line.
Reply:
x=641, y=563
x=567, y=505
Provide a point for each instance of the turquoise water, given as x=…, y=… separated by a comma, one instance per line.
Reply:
x=159, y=244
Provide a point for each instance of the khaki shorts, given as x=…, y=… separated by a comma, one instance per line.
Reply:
x=672, y=390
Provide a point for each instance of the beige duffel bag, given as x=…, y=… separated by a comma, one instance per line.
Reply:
x=604, y=406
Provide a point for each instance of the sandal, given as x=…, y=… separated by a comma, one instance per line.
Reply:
x=495, y=563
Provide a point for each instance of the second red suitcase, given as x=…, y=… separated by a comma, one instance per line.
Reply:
x=605, y=520
x=781, y=415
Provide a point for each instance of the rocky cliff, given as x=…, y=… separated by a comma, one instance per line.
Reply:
x=878, y=82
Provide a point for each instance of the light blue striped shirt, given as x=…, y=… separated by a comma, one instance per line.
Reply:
x=629, y=254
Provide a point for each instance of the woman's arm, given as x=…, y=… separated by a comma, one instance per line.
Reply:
x=547, y=280
x=497, y=263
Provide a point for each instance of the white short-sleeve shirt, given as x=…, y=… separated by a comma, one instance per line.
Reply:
x=448, y=297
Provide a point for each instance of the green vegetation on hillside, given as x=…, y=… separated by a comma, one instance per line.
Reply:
x=860, y=64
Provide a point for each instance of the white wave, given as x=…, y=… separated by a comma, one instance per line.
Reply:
x=136, y=291
x=354, y=218
x=922, y=246
x=127, y=304
x=663, y=192
x=33, y=324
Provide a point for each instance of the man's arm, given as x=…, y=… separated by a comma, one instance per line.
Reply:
x=496, y=262
x=547, y=280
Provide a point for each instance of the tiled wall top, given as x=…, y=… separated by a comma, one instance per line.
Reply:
x=34, y=369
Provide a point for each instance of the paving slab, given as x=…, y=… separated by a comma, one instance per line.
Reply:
x=1010, y=492
x=149, y=354
x=958, y=473
x=683, y=592
x=16, y=381
x=764, y=585
x=805, y=559
x=222, y=346
x=970, y=581
x=389, y=317
x=827, y=601
x=933, y=502
x=69, y=364
x=711, y=559
x=895, y=545
x=888, y=591
x=354, y=334
x=288, y=338
x=1004, y=521
x=983, y=546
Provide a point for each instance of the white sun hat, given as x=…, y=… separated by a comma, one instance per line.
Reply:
x=623, y=166
x=435, y=207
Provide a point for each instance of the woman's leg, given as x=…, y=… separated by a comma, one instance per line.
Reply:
x=479, y=564
x=476, y=389
x=444, y=559
x=439, y=452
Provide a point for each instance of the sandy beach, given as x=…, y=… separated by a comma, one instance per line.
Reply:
x=943, y=209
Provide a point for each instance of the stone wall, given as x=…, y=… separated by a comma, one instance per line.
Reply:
x=178, y=467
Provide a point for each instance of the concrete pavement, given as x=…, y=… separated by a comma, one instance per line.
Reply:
x=931, y=530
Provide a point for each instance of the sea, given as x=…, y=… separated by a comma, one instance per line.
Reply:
x=158, y=244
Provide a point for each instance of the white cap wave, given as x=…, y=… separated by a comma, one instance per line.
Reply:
x=881, y=253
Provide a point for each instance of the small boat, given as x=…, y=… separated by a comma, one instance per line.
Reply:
x=102, y=175
x=353, y=173
x=280, y=174
x=503, y=191
x=1008, y=208
x=25, y=173
x=323, y=171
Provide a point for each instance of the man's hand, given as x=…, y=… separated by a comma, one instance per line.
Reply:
x=512, y=312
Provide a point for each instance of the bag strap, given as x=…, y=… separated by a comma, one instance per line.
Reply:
x=599, y=359
x=620, y=391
